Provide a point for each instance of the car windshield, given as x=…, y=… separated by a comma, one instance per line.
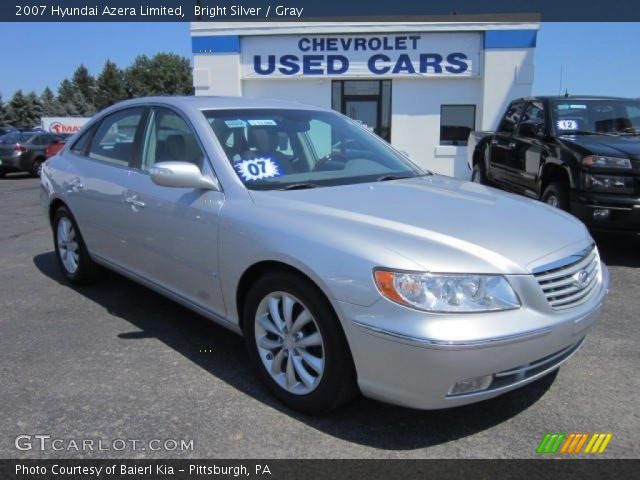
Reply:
x=290, y=149
x=596, y=116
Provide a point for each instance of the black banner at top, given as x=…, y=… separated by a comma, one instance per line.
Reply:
x=313, y=10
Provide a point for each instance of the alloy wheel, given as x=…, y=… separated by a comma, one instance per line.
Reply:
x=289, y=343
x=68, y=245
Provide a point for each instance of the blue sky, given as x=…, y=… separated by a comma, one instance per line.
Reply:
x=596, y=58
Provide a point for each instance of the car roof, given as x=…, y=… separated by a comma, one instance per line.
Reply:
x=574, y=97
x=219, y=102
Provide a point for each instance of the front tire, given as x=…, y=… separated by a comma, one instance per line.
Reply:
x=557, y=195
x=479, y=174
x=296, y=343
x=71, y=251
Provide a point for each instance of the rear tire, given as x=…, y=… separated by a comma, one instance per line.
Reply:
x=557, y=195
x=307, y=365
x=71, y=251
x=36, y=167
x=3, y=174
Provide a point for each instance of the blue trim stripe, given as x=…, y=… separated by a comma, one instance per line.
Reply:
x=510, y=39
x=215, y=44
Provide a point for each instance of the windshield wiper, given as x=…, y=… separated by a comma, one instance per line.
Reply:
x=587, y=132
x=299, y=186
x=630, y=131
x=386, y=178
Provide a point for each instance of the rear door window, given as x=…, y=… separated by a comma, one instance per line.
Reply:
x=115, y=138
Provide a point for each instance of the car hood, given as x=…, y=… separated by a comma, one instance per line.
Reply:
x=627, y=146
x=440, y=223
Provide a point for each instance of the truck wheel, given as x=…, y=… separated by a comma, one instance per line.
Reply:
x=478, y=174
x=557, y=195
x=296, y=343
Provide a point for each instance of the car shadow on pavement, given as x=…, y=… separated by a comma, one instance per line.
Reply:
x=622, y=250
x=363, y=421
x=16, y=176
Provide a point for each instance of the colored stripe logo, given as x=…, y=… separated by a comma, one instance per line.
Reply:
x=573, y=443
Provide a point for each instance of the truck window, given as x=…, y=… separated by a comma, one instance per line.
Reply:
x=511, y=118
x=534, y=115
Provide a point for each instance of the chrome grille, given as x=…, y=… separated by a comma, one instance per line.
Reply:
x=570, y=281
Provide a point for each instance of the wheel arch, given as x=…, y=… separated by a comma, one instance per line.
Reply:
x=261, y=268
x=553, y=172
x=55, y=204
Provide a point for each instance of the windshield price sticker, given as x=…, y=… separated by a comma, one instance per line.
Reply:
x=262, y=123
x=257, y=169
x=234, y=123
x=567, y=124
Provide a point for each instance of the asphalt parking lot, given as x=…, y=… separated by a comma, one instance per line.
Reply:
x=117, y=361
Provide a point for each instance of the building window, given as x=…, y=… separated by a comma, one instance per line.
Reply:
x=456, y=122
x=366, y=101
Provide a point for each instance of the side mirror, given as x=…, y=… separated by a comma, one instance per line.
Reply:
x=181, y=175
x=530, y=130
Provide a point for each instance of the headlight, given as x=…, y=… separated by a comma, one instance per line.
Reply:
x=600, y=161
x=447, y=293
x=608, y=183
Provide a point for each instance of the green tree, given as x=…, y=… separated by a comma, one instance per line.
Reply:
x=65, y=98
x=4, y=115
x=50, y=105
x=110, y=87
x=34, y=108
x=22, y=113
x=85, y=84
x=163, y=74
x=72, y=102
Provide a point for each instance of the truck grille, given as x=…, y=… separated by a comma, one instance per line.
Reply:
x=570, y=281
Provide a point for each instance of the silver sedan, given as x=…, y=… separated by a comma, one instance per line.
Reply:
x=346, y=267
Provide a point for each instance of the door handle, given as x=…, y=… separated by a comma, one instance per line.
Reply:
x=76, y=185
x=135, y=202
x=494, y=141
x=512, y=145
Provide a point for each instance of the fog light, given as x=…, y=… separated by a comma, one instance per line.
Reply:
x=471, y=385
x=601, y=213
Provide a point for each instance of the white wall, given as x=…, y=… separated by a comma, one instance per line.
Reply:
x=415, y=122
x=217, y=74
x=304, y=90
x=508, y=75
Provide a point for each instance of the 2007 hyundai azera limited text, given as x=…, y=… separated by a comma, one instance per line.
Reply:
x=345, y=266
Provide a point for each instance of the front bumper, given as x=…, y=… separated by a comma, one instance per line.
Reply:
x=410, y=358
x=624, y=211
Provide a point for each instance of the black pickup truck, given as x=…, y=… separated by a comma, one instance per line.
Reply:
x=581, y=154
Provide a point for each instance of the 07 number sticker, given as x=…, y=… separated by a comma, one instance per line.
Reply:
x=257, y=169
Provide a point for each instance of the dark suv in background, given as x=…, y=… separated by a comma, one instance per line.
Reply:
x=580, y=154
x=24, y=151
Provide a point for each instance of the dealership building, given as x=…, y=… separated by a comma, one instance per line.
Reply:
x=421, y=86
